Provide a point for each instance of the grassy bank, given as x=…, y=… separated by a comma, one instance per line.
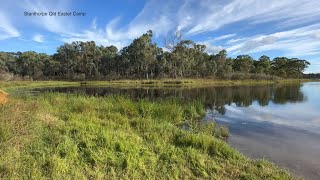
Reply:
x=11, y=85
x=191, y=82
x=64, y=136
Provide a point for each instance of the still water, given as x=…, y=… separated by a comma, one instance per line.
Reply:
x=280, y=123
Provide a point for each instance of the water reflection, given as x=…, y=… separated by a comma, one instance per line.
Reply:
x=213, y=97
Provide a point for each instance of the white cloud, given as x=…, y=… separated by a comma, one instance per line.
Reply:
x=232, y=41
x=7, y=30
x=296, y=42
x=106, y=37
x=55, y=24
x=38, y=38
x=215, y=16
x=316, y=35
x=253, y=44
x=223, y=37
x=65, y=27
x=212, y=49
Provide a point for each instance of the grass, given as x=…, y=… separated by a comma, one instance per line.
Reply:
x=63, y=136
x=190, y=82
x=154, y=82
x=13, y=85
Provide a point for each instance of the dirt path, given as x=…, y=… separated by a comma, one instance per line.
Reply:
x=3, y=97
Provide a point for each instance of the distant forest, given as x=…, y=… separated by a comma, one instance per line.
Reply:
x=145, y=60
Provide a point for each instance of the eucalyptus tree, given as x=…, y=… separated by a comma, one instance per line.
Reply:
x=108, y=64
x=89, y=59
x=67, y=56
x=3, y=59
x=30, y=64
x=243, y=63
x=263, y=65
x=295, y=67
x=144, y=59
x=141, y=55
x=279, y=65
x=223, y=64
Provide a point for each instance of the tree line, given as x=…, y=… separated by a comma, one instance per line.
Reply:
x=312, y=76
x=143, y=59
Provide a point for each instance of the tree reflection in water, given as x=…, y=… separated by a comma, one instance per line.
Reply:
x=214, y=98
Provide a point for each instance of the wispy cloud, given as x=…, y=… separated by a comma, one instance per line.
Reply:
x=216, y=15
x=296, y=42
x=223, y=37
x=211, y=48
x=7, y=30
x=38, y=38
x=55, y=24
x=258, y=42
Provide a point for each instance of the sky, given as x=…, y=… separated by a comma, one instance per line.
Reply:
x=275, y=28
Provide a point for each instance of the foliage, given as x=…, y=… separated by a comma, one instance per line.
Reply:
x=312, y=76
x=143, y=59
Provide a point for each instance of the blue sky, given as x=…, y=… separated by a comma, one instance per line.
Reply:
x=256, y=27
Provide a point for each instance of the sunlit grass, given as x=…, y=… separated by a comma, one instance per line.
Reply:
x=13, y=85
x=64, y=136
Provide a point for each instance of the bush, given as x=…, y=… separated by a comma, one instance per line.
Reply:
x=240, y=76
x=78, y=77
x=5, y=76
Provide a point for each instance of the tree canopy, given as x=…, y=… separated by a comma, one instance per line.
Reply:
x=142, y=58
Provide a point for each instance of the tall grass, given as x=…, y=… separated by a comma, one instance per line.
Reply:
x=64, y=136
x=256, y=80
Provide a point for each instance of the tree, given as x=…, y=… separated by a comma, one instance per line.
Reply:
x=295, y=67
x=29, y=64
x=223, y=63
x=108, y=64
x=141, y=55
x=279, y=65
x=172, y=40
x=144, y=59
x=243, y=63
x=263, y=65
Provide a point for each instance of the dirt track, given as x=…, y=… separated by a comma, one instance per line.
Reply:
x=3, y=97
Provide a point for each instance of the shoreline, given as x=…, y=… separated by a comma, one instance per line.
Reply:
x=11, y=85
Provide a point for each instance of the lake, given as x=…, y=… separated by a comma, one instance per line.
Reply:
x=279, y=122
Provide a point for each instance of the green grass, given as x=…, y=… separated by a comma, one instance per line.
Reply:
x=62, y=136
x=190, y=82
x=14, y=85
x=156, y=82
x=10, y=86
